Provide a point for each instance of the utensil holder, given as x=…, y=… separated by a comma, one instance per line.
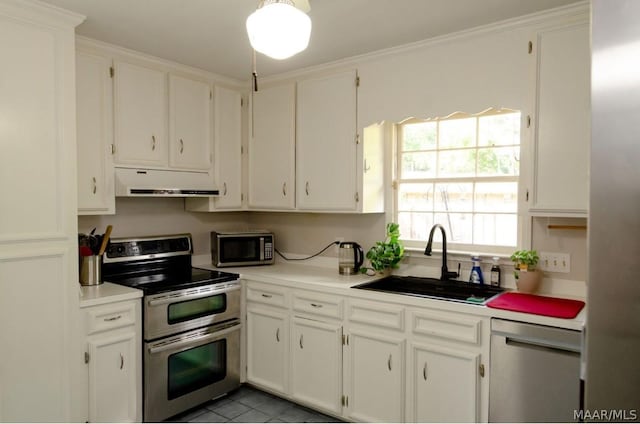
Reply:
x=91, y=270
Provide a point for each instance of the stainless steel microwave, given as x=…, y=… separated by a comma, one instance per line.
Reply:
x=242, y=248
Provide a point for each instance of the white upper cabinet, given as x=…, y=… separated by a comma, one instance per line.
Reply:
x=94, y=98
x=228, y=147
x=272, y=147
x=190, y=123
x=326, y=149
x=561, y=121
x=140, y=115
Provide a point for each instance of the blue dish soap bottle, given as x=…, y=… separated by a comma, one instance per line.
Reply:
x=476, y=271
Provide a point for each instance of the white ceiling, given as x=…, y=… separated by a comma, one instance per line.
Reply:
x=211, y=34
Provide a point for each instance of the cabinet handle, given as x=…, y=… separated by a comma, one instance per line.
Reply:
x=224, y=189
x=95, y=185
x=121, y=361
x=268, y=296
x=316, y=305
x=424, y=371
x=306, y=188
x=278, y=335
x=181, y=146
x=113, y=318
x=301, y=346
x=284, y=189
x=153, y=142
x=366, y=166
x=389, y=362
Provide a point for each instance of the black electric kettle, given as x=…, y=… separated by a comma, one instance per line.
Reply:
x=350, y=257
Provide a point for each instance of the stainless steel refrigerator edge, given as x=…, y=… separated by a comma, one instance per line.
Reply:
x=613, y=291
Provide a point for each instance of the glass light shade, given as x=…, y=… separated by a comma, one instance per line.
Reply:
x=279, y=30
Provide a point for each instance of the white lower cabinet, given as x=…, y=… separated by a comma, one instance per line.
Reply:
x=367, y=360
x=316, y=364
x=443, y=384
x=374, y=367
x=267, y=347
x=114, y=359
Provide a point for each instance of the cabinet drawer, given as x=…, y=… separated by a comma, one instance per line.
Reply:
x=270, y=295
x=455, y=327
x=375, y=313
x=107, y=317
x=318, y=304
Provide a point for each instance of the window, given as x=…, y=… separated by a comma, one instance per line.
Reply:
x=461, y=172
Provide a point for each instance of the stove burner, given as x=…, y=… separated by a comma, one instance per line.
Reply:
x=162, y=281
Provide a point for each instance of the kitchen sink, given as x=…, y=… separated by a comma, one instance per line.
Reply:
x=458, y=291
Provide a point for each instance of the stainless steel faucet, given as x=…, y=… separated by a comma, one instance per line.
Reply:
x=446, y=274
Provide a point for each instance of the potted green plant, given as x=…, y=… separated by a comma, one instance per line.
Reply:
x=387, y=254
x=527, y=276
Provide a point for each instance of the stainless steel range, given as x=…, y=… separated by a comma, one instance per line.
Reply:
x=191, y=322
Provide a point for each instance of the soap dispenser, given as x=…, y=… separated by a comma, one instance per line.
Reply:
x=476, y=271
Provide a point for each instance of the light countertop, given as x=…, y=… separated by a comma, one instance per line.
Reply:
x=106, y=293
x=310, y=277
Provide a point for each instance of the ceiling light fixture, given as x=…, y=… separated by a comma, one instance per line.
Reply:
x=279, y=29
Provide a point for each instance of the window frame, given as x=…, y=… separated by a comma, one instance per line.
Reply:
x=461, y=248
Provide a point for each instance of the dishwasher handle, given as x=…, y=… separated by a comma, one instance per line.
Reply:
x=566, y=349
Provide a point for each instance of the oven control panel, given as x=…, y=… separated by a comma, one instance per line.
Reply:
x=148, y=247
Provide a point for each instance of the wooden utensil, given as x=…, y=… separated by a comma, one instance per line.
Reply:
x=105, y=240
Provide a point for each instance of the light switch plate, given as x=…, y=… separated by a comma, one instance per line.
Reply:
x=555, y=262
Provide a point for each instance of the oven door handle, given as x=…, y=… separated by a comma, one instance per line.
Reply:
x=163, y=300
x=195, y=338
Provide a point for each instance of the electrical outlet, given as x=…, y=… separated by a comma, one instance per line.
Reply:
x=555, y=262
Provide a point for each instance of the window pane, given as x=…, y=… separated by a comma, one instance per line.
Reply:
x=494, y=229
x=454, y=197
x=419, y=136
x=457, y=133
x=496, y=197
x=499, y=130
x=414, y=225
x=498, y=161
x=418, y=165
x=415, y=197
x=457, y=225
x=457, y=163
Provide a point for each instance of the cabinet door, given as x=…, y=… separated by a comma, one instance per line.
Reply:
x=267, y=348
x=316, y=364
x=94, y=97
x=38, y=218
x=189, y=124
x=140, y=115
x=272, y=148
x=228, y=147
x=562, y=129
x=112, y=377
x=443, y=384
x=326, y=143
x=375, y=377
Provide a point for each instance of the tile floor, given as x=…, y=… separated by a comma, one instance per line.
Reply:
x=250, y=405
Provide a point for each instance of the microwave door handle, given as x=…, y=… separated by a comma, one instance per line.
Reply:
x=189, y=296
x=196, y=338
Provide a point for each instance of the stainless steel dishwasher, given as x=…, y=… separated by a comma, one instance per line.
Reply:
x=535, y=373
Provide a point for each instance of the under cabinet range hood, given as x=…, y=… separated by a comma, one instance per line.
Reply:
x=137, y=182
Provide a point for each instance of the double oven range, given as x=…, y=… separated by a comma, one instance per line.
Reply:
x=191, y=322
